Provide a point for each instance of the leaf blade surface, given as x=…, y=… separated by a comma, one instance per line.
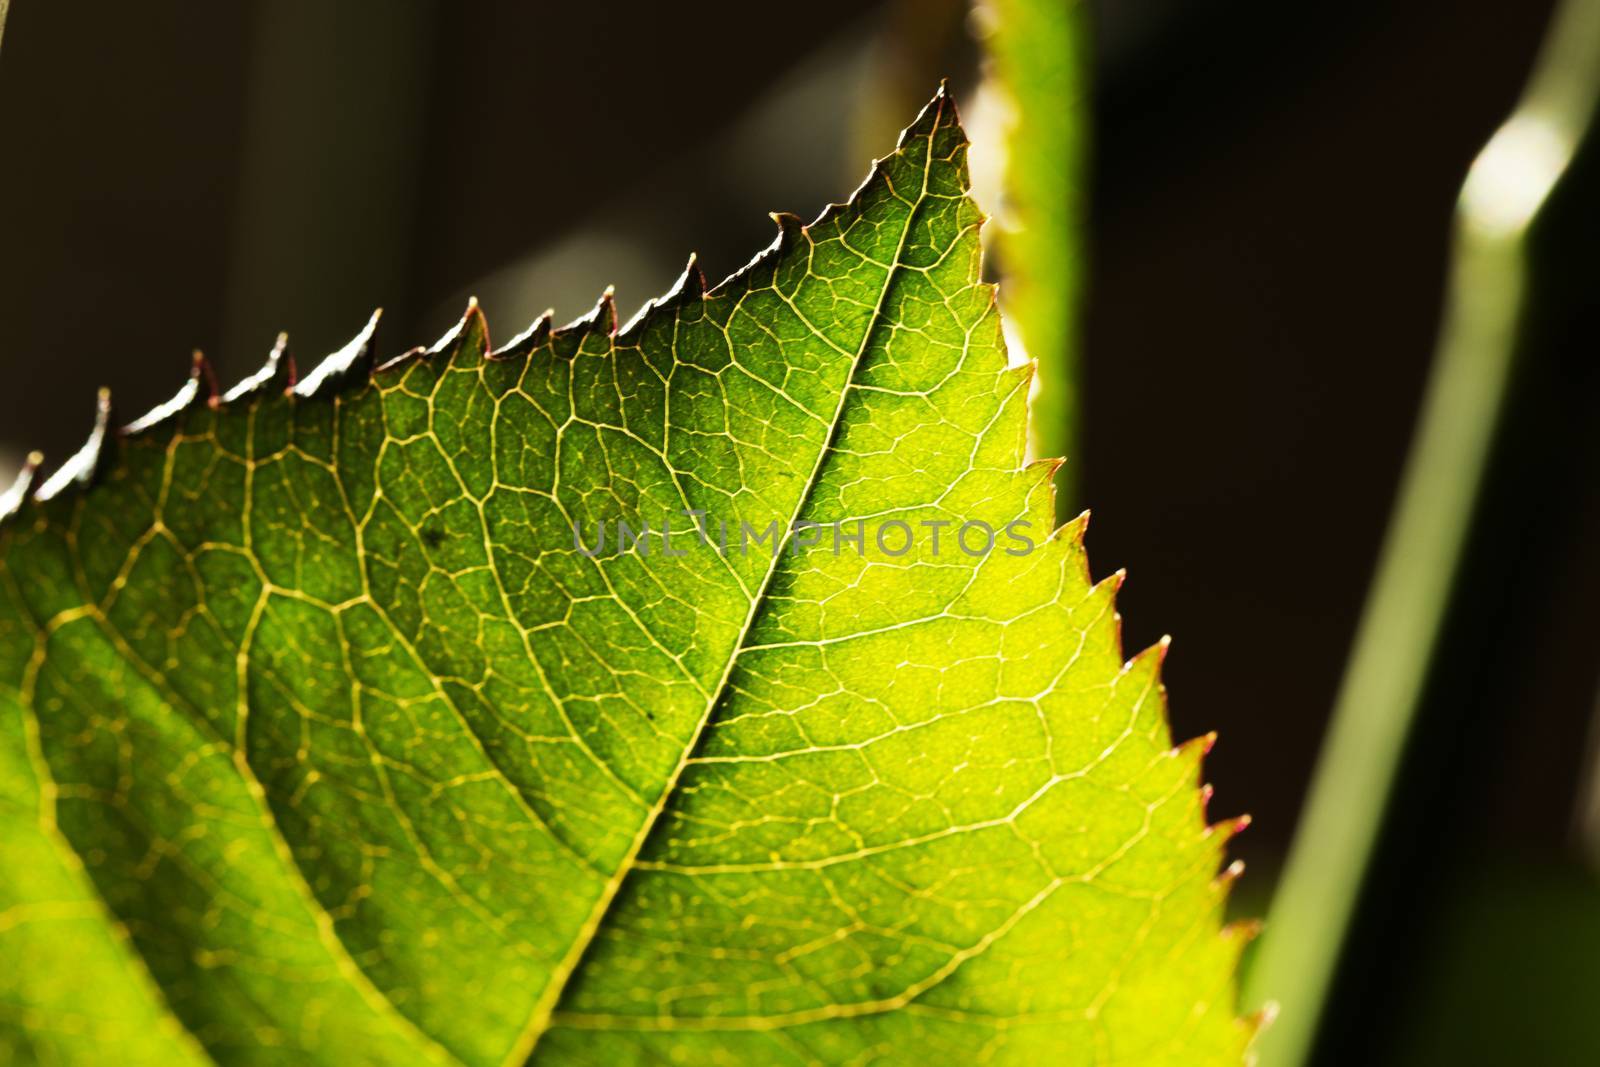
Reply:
x=372, y=765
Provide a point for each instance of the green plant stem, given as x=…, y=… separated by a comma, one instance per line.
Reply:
x=5, y=6
x=1503, y=195
x=1037, y=61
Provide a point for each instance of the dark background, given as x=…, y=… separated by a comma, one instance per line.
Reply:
x=1269, y=239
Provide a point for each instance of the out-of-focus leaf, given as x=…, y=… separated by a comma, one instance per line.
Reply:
x=1398, y=642
x=1037, y=66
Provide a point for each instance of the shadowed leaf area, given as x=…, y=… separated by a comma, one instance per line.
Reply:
x=321, y=743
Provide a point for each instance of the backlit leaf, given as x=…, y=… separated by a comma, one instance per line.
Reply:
x=321, y=742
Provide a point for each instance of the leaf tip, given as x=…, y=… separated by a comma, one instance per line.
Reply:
x=932, y=115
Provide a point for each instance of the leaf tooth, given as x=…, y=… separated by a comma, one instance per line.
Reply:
x=690, y=286
x=200, y=388
x=1156, y=652
x=1262, y=1017
x=1044, y=472
x=1116, y=580
x=694, y=278
x=1073, y=530
x=447, y=342
x=12, y=499
x=524, y=343
x=791, y=228
x=1071, y=534
x=757, y=261
x=1109, y=587
x=1024, y=372
x=1236, y=937
x=472, y=316
x=201, y=371
x=101, y=444
x=688, y=289
x=351, y=363
x=1196, y=748
x=1194, y=752
x=396, y=363
x=1228, y=875
x=86, y=465
x=277, y=374
x=1227, y=829
x=283, y=365
x=603, y=316
x=1144, y=668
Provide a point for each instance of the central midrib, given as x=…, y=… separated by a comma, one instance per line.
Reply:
x=540, y=1019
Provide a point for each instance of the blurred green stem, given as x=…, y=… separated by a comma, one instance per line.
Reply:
x=1037, y=66
x=1504, y=193
x=5, y=6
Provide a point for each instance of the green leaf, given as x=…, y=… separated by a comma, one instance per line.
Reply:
x=1038, y=65
x=321, y=743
